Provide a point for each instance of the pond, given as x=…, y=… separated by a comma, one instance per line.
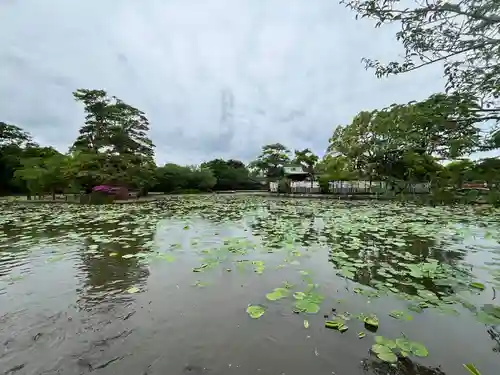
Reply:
x=249, y=285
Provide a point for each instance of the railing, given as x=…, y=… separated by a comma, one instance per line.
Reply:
x=298, y=187
x=373, y=187
x=353, y=187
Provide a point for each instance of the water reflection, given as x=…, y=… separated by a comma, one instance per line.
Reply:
x=85, y=260
x=404, y=367
x=494, y=333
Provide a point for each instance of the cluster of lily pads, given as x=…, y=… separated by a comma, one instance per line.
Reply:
x=417, y=254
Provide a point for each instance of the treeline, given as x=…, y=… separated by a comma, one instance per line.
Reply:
x=403, y=143
x=113, y=147
x=420, y=141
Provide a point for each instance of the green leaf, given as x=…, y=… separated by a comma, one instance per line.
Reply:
x=396, y=314
x=371, y=321
x=299, y=295
x=347, y=273
x=361, y=335
x=388, y=357
x=418, y=349
x=384, y=353
x=386, y=342
x=277, y=293
x=307, y=306
x=404, y=344
x=255, y=311
x=132, y=290
x=337, y=324
x=378, y=348
x=477, y=285
x=471, y=368
x=306, y=324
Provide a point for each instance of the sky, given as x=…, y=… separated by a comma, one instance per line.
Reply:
x=216, y=78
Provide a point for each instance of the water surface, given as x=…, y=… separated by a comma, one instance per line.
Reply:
x=113, y=289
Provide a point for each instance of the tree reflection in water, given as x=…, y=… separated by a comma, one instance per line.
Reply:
x=494, y=333
x=404, y=367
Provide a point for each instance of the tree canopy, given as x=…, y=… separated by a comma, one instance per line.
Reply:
x=462, y=36
x=406, y=143
x=113, y=147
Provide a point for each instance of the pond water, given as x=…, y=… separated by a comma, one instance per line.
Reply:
x=244, y=285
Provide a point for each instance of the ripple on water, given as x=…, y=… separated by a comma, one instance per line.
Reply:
x=164, y=287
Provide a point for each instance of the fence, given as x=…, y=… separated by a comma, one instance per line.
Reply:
x=371, y=187
x=352, y=187
x=298, y=187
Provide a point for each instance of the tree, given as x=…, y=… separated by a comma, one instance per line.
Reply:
x=112, y=125
x=172, y=177
x=12, y=135
x=42, y=170
x=94, y=135
x=201, y=179
x=272, y=159
x=488, y=170
x=463, y=36
x=460, y=171
x=411, y=166
x=13, y=143
x=33, y=174
x=334, y=168
x=231, y=174
x=55, y=178
x=307, y=159
x=441, y=126
x=113, y=141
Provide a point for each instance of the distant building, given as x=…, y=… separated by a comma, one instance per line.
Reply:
x=295, y=172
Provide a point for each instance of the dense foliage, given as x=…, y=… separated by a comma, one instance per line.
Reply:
x=113, y=147
x=462, y=36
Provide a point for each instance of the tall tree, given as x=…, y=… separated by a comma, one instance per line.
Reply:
x=112, y=125
x=307, y=159
x=461, y=35
x=14, y=142
x=432, y=127
x=12, y=135
x=272, y=159
x=95, y=133
x=231, y=174
x=117, y=134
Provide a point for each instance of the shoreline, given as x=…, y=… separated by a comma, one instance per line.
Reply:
x=253, y=193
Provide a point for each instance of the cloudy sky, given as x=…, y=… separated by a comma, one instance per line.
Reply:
x=217, y=78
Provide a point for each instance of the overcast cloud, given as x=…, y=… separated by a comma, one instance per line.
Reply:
x=291, y=69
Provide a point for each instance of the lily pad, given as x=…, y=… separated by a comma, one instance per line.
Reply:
x=371, y=321
x=419, y=349
x=336, y=324
x=255, y=311
x=278, y=293
x=396, y=314
x=299, y=295
x=386, y=342
x=384, y=353
x=307, y=306
x=471, y=369
x=404, y=344
x=477, y=285
x=133, y=290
